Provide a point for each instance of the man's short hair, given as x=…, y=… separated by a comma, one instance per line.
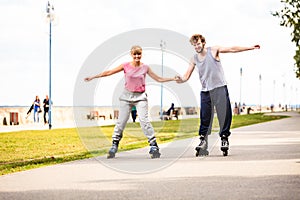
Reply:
x=194, y=39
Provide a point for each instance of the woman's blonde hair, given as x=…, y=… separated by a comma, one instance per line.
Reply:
x=136, y=49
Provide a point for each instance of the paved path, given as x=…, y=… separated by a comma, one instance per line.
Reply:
x=263, y=163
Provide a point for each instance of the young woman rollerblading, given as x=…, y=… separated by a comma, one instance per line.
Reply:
x=133, y=95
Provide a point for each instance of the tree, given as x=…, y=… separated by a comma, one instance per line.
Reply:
x=290, y=17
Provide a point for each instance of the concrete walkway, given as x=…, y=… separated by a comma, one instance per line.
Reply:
x=263, y=163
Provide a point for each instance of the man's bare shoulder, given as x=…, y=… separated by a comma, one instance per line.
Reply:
x=192, y=60
x=215, y=48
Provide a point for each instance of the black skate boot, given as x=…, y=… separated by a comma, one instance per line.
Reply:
x=154, y=150
x=224, y=145
x=113, y=150
x=201, y=149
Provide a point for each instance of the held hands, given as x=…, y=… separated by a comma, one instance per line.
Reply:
x=178, y=79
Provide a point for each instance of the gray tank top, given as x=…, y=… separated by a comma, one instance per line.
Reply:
x=210, y=71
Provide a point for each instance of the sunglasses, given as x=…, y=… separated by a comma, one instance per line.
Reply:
x=137, y=54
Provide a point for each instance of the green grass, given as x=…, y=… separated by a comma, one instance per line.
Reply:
x=245, y=120
x=24, y=150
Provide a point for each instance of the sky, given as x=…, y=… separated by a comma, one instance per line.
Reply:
x=81, y=26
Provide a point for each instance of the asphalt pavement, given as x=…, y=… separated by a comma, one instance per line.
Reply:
x=263, y=163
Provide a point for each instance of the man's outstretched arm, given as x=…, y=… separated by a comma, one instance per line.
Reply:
x=187, y=74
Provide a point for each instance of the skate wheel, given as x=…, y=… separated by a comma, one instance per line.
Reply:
x=205, y=153
x=155, y=155
x=202, y=153
x=110, y=155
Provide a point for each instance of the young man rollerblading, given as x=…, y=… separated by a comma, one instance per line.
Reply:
x=214, y=92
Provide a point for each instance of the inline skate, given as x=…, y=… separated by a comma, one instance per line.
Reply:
x=224, y=145
x=201, y=149
x=154, y=150
x=113, y=150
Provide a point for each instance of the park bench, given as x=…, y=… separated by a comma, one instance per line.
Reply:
x=95, y=115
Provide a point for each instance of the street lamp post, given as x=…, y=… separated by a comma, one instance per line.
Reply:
x=284, y=98
x=296, y=99
x=291, y=99
x=274, y=92
x=162, y=47
x=50, y=16
x=240, y=104
x=260, y=92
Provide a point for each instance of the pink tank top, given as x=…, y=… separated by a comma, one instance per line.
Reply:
x=135, y=77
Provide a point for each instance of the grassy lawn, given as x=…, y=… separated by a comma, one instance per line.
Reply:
x=24, y=150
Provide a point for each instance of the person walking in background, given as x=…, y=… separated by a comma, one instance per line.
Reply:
x=133, y=113
x=36, y=109
x=214, y=91
x=133, y=95
x=46, y=109
x=169, y=111
x=29, y=111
